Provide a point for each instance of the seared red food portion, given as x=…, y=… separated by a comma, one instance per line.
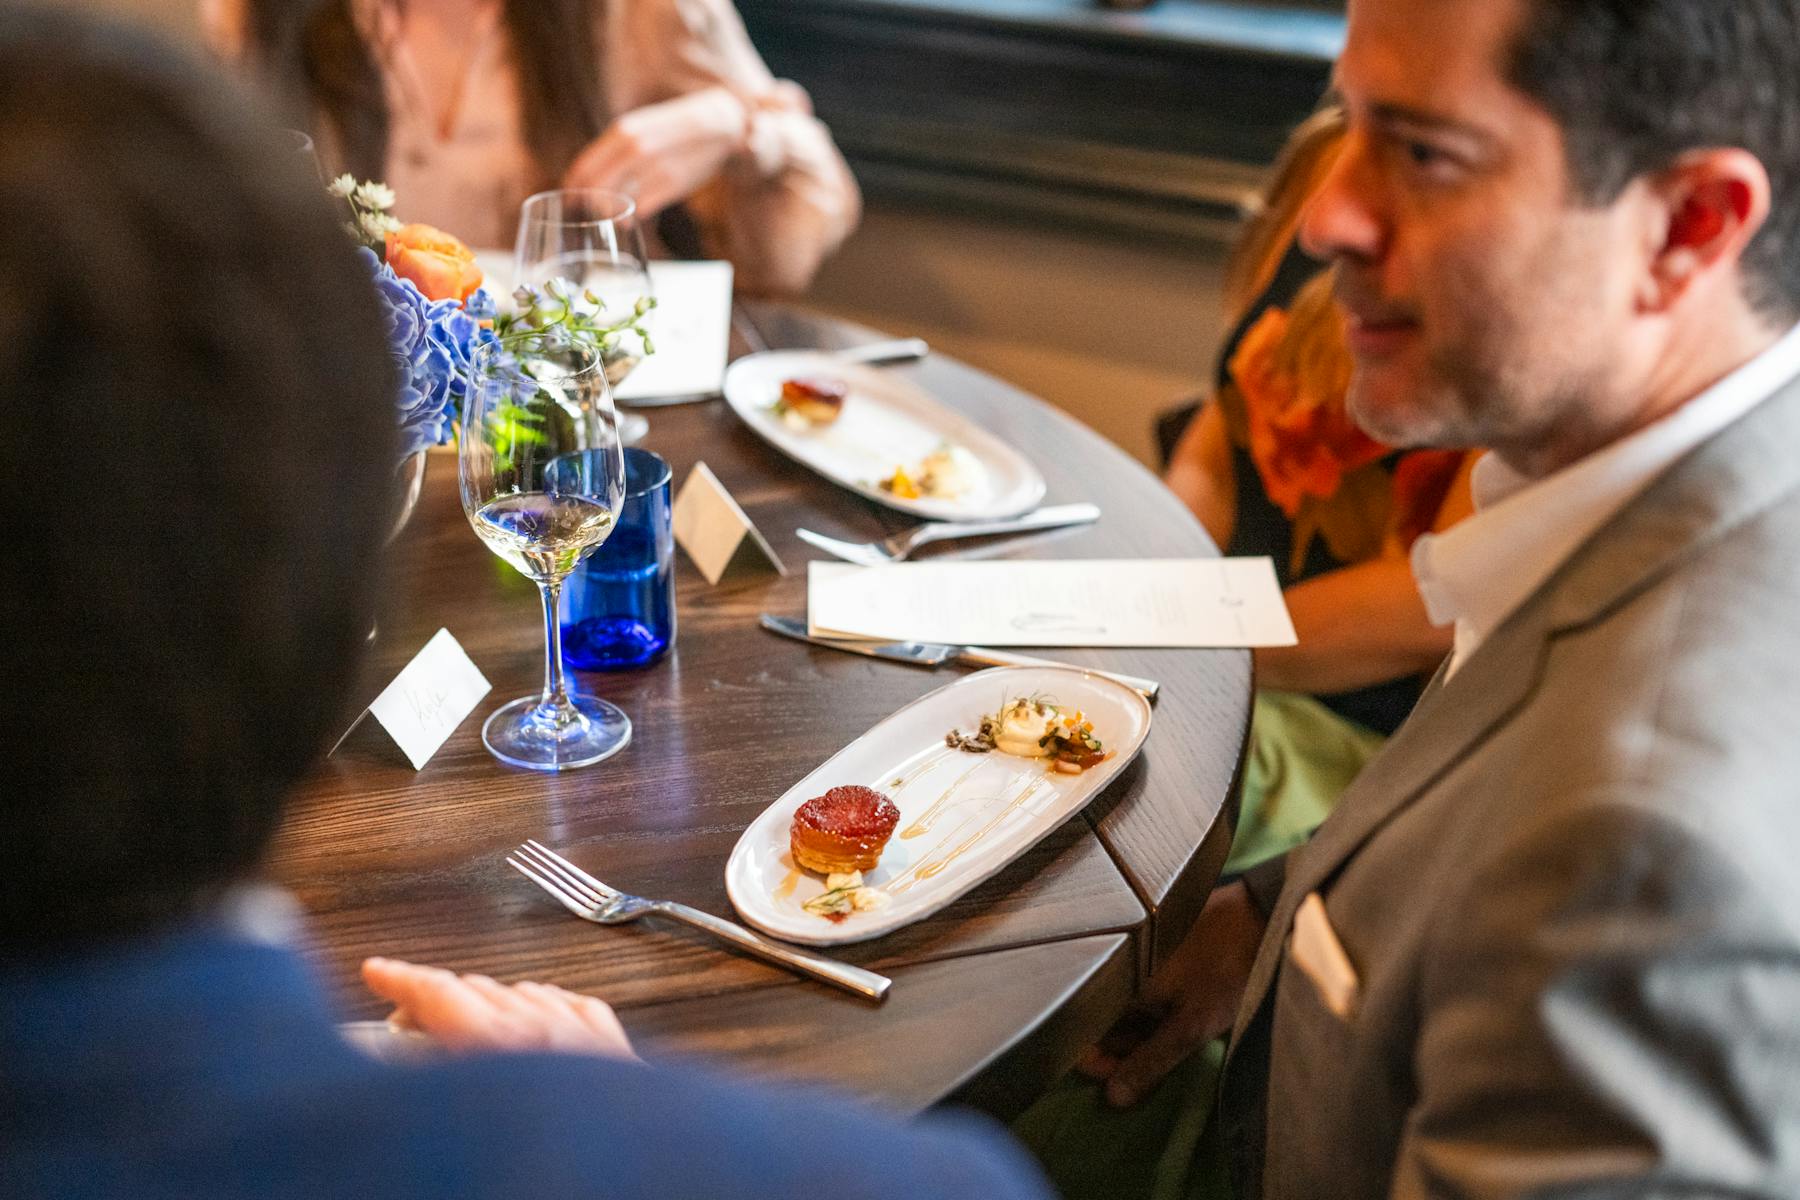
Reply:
x=817, y=400
x=831, y=391
x=843, y=830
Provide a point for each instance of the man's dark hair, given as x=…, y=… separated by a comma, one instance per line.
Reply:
x=196, y=430
x=1636, y=83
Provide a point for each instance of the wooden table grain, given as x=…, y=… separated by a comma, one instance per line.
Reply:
x=992, y=997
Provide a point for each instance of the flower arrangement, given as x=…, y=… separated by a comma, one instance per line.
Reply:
x=439, y=317
x=433, y=343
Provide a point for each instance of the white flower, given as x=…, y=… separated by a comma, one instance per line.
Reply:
x=374, y=195
x=375, y=226
x=342, y=186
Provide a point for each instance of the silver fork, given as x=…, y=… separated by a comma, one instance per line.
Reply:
x=594, y=901
x=899, y=547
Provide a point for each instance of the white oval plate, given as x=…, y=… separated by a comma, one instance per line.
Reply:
x=962, y=816
x=886, y=423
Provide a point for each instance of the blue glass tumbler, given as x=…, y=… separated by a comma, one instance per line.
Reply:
x=618, y=607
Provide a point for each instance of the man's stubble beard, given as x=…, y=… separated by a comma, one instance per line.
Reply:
x=1465, y=406
x=1433, y=416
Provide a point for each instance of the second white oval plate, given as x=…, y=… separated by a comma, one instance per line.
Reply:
x=962, y=816
x=886, y=423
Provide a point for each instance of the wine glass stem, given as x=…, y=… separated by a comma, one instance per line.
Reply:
x=556, y=692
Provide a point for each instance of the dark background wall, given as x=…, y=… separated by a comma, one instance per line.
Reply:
x=1051, y=185
x=1155, y=121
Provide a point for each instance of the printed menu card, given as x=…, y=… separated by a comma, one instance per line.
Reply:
x=1205, y=602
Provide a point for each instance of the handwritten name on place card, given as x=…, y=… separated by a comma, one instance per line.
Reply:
x=430, y=698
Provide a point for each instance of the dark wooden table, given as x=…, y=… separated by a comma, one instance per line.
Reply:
x=992, y=997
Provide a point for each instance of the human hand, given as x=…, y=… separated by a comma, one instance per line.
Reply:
x=663, y=153
x=473, y=1012
x=1191, y=1001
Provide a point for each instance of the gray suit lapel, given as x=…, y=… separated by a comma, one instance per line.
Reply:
x=1451, y=717
x=1739, y=473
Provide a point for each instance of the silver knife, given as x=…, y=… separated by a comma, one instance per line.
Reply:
x=936, y=654
x=877, y=353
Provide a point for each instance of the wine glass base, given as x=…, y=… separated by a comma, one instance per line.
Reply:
x=521, y=736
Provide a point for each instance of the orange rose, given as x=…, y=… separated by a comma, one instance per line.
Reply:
x=437, y=262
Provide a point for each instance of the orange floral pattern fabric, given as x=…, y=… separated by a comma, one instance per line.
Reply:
x=1289, y=377
x=1301, y=437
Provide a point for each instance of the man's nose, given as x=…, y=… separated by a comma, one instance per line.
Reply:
x=1340, y=219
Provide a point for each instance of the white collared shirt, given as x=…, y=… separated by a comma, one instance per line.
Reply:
x=1477, y=572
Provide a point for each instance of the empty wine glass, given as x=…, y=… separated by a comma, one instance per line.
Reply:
x=543, y=478
x=592, y=238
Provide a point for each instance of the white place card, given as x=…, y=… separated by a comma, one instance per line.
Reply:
x=691, y=330
x=430, y=698
x=690, y=327
x=714, y=530
x=1204, y=602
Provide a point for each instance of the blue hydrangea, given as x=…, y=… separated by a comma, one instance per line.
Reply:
x=403, y=305
x=434, y=344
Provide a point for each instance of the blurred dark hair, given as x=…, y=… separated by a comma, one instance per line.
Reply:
x=196, y=437
x=315, y=55
x=1636, y=83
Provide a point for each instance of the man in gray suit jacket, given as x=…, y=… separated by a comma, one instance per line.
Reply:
x=1550, y=942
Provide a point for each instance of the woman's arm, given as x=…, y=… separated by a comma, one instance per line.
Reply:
x=759, y=173
x=1359, y=625
x=779, y=209
x=1364, y=624
x=1201, y=475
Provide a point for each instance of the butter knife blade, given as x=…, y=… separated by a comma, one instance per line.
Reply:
x=921, y=654
x=934, y=654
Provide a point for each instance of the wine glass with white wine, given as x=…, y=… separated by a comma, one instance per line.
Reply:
x=543, y=478
x=591, y=238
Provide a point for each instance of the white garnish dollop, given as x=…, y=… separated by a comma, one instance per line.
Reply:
x=1023, y=726
x=844, y=894
x=948, y=472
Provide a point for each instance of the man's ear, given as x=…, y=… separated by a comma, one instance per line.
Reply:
x=1710, y=204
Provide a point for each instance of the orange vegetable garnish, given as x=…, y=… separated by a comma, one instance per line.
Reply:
x=902, y=485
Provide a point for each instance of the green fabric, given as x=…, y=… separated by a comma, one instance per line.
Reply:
x=1094, y=1151
x=1302, y=757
